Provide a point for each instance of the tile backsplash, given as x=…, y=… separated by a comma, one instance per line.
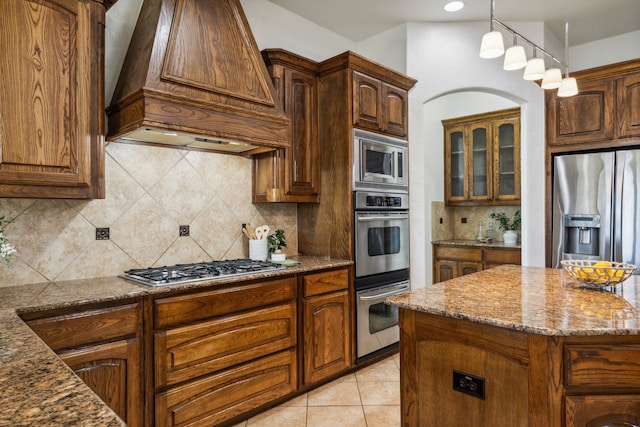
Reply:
x=150, y=193
x=463, y=222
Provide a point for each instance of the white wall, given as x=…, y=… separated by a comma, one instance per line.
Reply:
x=606, y=51
x=276, y=27
x=388, y=48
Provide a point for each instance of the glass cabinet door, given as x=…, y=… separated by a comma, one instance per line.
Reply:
x=456, y=186
x=480, y=184
x=506, y=143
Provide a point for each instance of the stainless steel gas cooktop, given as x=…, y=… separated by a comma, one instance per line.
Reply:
x=196, y=272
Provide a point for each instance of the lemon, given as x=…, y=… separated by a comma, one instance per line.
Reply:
x=602, y=264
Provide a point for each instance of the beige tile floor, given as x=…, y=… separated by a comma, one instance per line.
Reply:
x=369, y=397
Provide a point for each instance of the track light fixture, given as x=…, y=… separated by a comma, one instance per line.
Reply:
x=492, y=46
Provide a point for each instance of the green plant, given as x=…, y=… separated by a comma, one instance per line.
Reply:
x=6, y=249
x=505, y=223
x=276, y=241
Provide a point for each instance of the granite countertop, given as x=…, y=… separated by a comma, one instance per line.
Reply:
x=36, y=387
x=465, y=242
x=531, y=299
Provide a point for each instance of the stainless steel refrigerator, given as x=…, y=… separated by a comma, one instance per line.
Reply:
x=596, y=207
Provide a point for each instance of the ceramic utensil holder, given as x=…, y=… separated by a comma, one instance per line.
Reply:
x=258, y=249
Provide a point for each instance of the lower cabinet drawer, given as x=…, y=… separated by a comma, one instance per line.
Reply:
x=217, y=398
x=617, y=410
x=602, y=367
x=200, y=349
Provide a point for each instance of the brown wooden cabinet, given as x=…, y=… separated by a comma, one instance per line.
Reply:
x=223, y=352
x=52, y=112
x=482, y=159
x=379, y=106
x=326, y=327
x=291, y=174
x=604, y=114
x=103, y=346
x=608, y=374
x=352, y=92
x=450, y=261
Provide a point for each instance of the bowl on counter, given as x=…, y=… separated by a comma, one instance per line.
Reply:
x=598, y=274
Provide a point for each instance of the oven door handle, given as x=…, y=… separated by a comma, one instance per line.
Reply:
x=382, y=218
x=386, y=294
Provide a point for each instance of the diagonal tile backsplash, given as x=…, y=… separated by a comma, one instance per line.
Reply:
x=150, y=193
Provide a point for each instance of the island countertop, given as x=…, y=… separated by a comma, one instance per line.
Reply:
x=531, y=299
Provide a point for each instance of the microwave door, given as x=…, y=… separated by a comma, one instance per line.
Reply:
x=379, y=163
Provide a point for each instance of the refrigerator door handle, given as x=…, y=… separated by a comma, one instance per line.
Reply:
x=621, y=163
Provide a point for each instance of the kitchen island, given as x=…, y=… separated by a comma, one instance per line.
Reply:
x=520, y=346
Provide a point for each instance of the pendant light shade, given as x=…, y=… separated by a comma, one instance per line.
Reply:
x=534, y=69
x=515, y=58
x=569, y=87
x=492, y=45
x=552, y=79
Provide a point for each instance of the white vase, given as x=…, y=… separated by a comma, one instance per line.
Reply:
x=258, y=249
x=510, y=237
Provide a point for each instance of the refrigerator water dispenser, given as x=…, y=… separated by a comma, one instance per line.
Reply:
x=582, y=234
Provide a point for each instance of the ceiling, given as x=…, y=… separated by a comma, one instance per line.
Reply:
x=357, y=20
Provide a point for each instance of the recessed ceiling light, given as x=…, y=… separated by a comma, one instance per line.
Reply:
x=453, y=6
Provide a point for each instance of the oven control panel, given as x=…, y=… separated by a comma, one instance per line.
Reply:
x=380, y=201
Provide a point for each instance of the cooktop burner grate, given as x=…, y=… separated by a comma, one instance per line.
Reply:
x=189, y=273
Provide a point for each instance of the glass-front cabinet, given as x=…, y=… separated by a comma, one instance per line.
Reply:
x=482, y=158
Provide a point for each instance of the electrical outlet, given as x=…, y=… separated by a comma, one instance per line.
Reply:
x=463, y=220
x=441, y=221
x=468, y=384
x=183, y=231
x=102, y=233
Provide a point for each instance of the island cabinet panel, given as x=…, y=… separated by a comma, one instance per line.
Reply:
x=326, y=327
x=223, y=352
x=52, y=92
x=620, y=410
x=497, y=356
x=602, y=367
x=103, y=346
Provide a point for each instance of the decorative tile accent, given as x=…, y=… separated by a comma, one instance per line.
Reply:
x=150, y=192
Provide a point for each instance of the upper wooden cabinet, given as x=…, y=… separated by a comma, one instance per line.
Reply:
x=604, y=114
x=292, y=174
x=379, y=106
x=482, y=158
x=52, y=92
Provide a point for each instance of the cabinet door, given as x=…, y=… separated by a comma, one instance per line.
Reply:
x=628, y=98
x=480, y=179
x=367, y=101
x=465, y=268
x=455, y=165
x=326, y=335
x=584, y=118
x=506, y=166
x=302, y=176
x=601, y=411
x=113, y=371
x=292, y=174
x=445, y=270
x=51, y=115
x=395, y=113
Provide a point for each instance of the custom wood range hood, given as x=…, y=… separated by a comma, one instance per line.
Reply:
x=193, y=78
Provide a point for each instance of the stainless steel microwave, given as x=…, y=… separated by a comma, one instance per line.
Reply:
x=379, y=162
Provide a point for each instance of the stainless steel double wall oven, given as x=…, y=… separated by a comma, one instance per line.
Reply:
x=381, y=213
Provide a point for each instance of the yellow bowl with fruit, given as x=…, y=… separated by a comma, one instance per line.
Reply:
x=598, y=273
